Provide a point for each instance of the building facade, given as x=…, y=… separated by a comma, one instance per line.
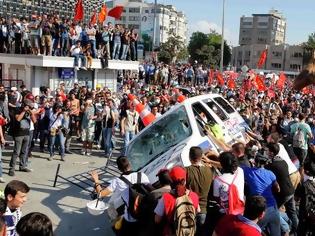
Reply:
x=279, y=57
x=266, y=31
x=263, y=29
x=139, y=15
x=65, y=9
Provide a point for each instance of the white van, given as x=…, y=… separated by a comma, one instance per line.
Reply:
x=166, y=142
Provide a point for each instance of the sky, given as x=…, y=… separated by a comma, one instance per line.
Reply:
x=205, y=14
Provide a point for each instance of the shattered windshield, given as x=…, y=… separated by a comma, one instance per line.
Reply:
x=168, y=131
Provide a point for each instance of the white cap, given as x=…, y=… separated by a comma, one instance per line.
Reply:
x=13, y=88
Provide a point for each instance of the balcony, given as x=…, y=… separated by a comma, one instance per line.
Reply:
x=62, y=62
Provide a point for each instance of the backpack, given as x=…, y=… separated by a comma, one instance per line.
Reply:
x=184, y=216
x=309, y=186
x=298, y=139
x=236, y=205
x=137, y=194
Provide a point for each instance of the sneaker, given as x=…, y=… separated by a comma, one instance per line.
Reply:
x=83, y=68
x=63, y=159
x=83, y=153
x=2, y=180
x=98, y=147
x=25, y=169
x=68, y=152
x=50, y=159
x=88, y=153
x=76, y=68
x=11, y=173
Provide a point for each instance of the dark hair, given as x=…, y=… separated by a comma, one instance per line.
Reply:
x=239, y=148
x=274, y=148
x=179, y=187
x=35, y=224
x=14, y=186
x=123, y=164
x=3, y=206
x=275, y=137
x=195, y=153
x=301, y=116
x=228, y=162
x=164, y=177
x=2, y=223
x=254, y=207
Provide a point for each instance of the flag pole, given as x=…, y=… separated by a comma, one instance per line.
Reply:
x=154, y=25
x=222, y=38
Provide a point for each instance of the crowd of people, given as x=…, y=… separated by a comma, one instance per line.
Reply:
x=52, y=36
x=264, y=185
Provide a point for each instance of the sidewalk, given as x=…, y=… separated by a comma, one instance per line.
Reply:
x=66, y=204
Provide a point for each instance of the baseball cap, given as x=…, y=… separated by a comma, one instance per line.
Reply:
x=13, y=88
x=177, y=173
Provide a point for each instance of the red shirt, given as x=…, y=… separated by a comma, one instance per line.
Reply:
x=236, y=225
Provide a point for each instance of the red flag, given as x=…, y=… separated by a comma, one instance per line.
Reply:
x=103, y=14
x=220, y=79
x=231, y=83
x=260, y=84
x=271, y=93
x=281, y=81
x=78, y=11
x=93, y=19
x=116, y=12
x=247, y=85
x=262, y=59
x=210, y=78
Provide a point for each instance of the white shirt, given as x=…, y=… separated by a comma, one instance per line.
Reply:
x=55, y=122
x=283, y=154
x=221, y=189
x=75, y=50
x=11, y=220
x=117, y=186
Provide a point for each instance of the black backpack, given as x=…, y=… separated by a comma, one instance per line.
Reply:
x=138, y=195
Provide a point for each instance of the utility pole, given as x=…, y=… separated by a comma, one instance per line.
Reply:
x=222, y=38
x=154, y=25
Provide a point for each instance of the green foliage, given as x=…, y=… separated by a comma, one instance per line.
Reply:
x=206, y=49
x=172, y=50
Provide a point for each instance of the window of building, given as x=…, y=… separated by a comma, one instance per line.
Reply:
x=134, y=26
x=134, y=10
x=276, y=65
x=134, y=18
x=247, y=23
x=146, y=11
x=123, y=18
x=263, y=24
x=297, y=54
x=277, y=54
x=295, y=66
x=262, y=40
x=247, y=53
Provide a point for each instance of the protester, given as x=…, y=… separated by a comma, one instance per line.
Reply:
x=35, y=224
x=246, y=224
x=15, y=194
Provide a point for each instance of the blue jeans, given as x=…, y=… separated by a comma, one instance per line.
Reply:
x=124, y=52
x=271, y=221
x=93, y=46
x=53, y=141
x=291, y=212
x=107, y=139
x=116, y=50
x=284, y=223
x=76, y=60
x=64, y=47
x=128, y=137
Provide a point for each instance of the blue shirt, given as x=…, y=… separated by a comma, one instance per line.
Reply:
x=260, y=182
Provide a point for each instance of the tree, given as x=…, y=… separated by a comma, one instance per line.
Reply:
x=309, y=49
x=206, y=49
x=147, y=42
x=172, y=50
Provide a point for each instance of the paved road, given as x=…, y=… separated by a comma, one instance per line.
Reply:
x=65, y=204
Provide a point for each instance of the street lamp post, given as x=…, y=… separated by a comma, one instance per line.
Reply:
x=154, y=25
x=222, y=38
